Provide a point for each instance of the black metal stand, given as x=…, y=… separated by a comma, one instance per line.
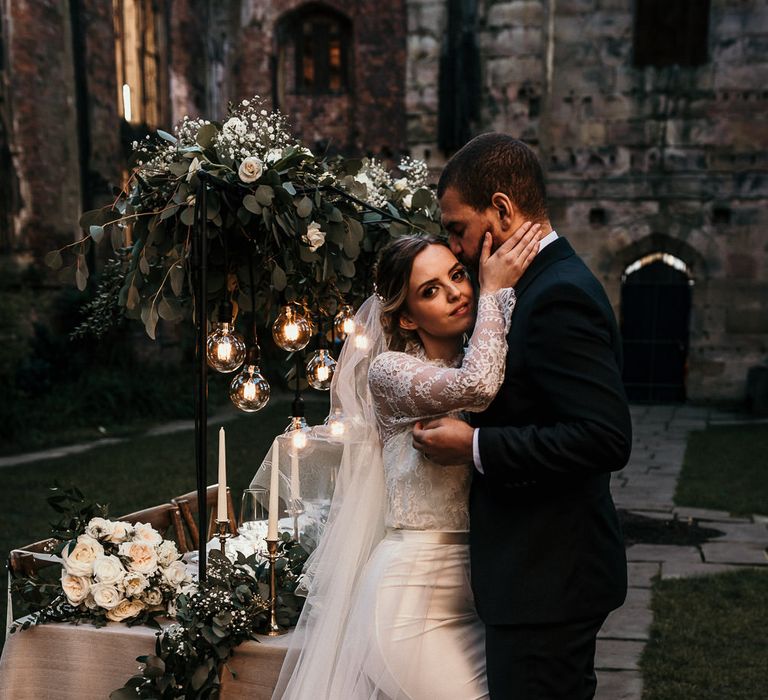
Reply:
x=199, y=272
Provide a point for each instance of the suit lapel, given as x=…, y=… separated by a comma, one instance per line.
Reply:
x=558, y=250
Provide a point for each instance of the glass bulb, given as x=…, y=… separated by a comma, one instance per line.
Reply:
x=298, y=429
x=291, y=330
x=320, y=368
x=224, y=348
x=344, y=321
x=336, y=423
x=361, y=341
x=249, y=391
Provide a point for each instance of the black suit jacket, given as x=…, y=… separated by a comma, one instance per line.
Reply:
x=546, y=544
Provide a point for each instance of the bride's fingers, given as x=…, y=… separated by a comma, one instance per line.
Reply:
x=485, y=251
x=516, y=237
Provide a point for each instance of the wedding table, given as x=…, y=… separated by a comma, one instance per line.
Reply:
x=82, y=662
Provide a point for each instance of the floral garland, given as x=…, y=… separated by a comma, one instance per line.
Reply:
x=306, y=226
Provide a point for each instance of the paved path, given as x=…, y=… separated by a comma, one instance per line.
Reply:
x=647, y=486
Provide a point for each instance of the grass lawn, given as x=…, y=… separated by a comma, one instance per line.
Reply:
x=725, y=469
x=708, y=639
x=139, y=473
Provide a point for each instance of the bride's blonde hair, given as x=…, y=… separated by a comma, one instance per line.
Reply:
x=392, y=277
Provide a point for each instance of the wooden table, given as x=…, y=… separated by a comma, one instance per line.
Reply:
x=82, y=662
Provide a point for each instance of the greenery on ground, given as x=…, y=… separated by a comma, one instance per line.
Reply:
x=724, y=469
x=138, y=473
x=708, y=638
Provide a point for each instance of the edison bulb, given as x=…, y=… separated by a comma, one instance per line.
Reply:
x=291, y=330
x=335, y=422
x=298, y=429
x=320, y=368
x=249, y=390
x=361, y=341
x=344, y=321
x=225, y=348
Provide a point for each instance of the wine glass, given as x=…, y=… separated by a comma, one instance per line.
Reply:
x=253, y=514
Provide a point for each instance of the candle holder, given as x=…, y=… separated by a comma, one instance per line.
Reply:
x=223, y=533
x=274, y=630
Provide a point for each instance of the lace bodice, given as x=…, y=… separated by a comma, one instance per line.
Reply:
x=408, y=387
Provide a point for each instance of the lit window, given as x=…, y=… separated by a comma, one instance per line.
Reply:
x=321, y=41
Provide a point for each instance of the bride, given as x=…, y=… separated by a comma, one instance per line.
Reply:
x=389, y=611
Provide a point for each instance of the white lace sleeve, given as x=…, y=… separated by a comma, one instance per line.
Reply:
x=404, y=385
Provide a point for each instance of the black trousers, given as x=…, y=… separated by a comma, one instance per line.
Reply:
x=542, y=662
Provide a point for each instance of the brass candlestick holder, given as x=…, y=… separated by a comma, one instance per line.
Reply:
x=274, y=630
x=223, y=533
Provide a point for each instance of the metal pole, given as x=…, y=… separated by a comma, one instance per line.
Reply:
x=199, y=267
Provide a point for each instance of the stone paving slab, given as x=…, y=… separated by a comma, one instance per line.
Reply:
x=707, y=514
x=619, y=685
x=640, y=574
x=618, y=654
x=664, y=514
x=746, y=553
x=684, y=569
x=738, y=532
x=662, y=552
x=632, y=620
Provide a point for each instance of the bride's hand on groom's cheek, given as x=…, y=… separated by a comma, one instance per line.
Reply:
x=444, y=440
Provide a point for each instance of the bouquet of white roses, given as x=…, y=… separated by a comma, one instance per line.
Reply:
x=122, y=572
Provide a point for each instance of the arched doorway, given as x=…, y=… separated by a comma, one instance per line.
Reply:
x=655, y=318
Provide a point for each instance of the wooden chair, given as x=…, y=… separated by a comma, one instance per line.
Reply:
x=163, y=518
x=32, y=558
x=187, y=505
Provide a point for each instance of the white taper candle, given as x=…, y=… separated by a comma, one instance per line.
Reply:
x=222, y=502
x=274, y=491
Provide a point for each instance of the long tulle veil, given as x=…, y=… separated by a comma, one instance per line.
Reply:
x=354, y=527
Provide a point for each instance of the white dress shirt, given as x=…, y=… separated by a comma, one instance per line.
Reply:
x=543, y=243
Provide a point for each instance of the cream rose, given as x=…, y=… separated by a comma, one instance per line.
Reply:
x=125, y=609
x=79, y=560
x=134, y=583
x=167, y=552
x=109, y=570
x=314, y=236
x=106, y=596
x=401, y=184
x=121, y=532
x=176, y=574
x=146, y=533
x=76, y=588
x=152, y=597
x=250, y=169
x=142, y=556
x=98, y=528
x=408, y=201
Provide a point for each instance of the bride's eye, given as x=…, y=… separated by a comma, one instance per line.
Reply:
x=429, y=292
x=459, y=275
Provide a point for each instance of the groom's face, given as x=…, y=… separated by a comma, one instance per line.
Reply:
x=466, y=227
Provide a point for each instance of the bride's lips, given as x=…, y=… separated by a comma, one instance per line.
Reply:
x=460, y=310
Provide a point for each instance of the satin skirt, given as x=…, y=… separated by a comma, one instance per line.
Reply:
x=413, y=631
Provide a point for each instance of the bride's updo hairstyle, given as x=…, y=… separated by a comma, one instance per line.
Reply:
x=392, y=277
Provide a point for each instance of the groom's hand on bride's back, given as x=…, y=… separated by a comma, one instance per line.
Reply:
x=444, y=440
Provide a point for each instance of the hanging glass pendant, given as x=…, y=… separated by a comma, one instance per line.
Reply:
x=335, y=422
x=249, y=390
x=291, y=329
x=320, y=369
x=298, y=429
x=225, y=347
x=344, y=322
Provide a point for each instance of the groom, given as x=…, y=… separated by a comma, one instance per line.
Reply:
x=548, y=560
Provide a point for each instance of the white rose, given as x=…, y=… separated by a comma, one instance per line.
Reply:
x=273, y=155
x=121, y=532
x=167, y=552
x=234, y=124
x=108, y=570
x=408, y=201
x=125, y=609
x=98, y=528
x=314, y=236
x=152, y=597
x=142, y=556
x=146, y=533
x=176, y=574
x=401, y=184
x=76, y=588
x=106, y=596
x=79, y=561
x=134, y=583
x=250, y=169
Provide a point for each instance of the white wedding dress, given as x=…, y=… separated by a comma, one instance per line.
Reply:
x=410, y=629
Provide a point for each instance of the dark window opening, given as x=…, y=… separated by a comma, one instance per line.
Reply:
x=671, y=32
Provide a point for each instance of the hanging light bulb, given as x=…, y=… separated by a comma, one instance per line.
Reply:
x=225, y=347
x=320, y=369
x=291, y=330
x=249, y=391
x=298, y=429
x=344, y=321
x=361, y=341
x=335, y=422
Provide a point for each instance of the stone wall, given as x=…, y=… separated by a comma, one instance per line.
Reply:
x=638, y=160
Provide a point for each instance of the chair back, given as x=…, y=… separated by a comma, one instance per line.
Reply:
x=187, y=505
x=166, y=519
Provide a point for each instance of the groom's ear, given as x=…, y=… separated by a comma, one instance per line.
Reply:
x=505, y=210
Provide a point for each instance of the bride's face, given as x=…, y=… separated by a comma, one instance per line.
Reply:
x=440, y=300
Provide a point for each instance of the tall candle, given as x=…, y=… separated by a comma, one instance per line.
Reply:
x=274, y=490
x=295, y=488
x=222, y=503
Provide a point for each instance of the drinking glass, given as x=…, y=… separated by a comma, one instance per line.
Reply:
x=253, y=514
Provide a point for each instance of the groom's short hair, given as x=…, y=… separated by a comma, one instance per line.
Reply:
x=492, y=163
